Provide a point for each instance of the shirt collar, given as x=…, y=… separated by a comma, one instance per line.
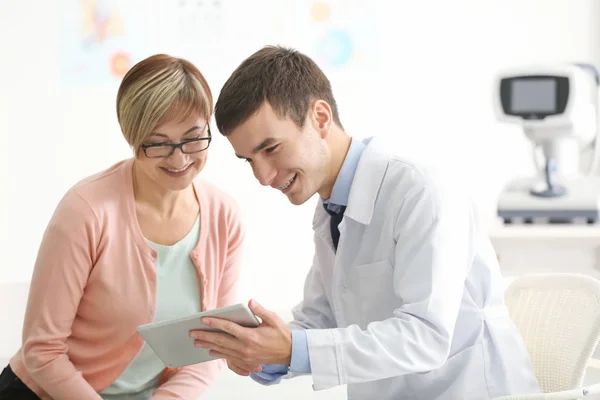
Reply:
x=341, y=188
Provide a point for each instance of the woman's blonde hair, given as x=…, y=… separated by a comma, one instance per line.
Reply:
x=159, y=89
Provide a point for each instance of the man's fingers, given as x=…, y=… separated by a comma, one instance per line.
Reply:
x=214, y=340
x=224, y=352
x=248, y=367
x=238, y=370
x=226, y=326
x=268, y=317
x=243, y=368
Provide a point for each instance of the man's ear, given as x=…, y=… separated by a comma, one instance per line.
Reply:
x=322, y=117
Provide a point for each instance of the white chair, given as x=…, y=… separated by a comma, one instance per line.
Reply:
x=558, y=316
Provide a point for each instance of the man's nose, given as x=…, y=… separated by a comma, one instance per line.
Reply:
x=264, y=173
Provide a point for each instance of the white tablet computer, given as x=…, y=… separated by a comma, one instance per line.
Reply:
x=171, y=342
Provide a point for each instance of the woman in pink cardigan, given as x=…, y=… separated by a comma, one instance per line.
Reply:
x=142, y=241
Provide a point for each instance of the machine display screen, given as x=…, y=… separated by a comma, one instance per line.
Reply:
x=533, y=95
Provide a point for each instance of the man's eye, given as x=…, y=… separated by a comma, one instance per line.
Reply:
x=272, y=149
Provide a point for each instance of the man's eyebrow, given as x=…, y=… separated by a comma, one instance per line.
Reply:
x=262, y=145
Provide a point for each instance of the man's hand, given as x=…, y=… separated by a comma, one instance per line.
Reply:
x=246, y=348
x=243, y=369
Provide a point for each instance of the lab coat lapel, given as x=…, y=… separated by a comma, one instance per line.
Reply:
x=361, y=203
x=367, y=180
x=363, y=194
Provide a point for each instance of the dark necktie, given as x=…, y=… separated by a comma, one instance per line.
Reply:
x=336, y=218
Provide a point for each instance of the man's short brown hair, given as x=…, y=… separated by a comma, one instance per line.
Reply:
x=289, y=80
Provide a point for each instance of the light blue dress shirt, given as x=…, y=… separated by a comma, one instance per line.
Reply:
x=340, y=193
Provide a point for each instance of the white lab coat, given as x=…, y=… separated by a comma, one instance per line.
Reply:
x=412, y=305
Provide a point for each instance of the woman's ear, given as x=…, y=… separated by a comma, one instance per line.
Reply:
x=136, y=152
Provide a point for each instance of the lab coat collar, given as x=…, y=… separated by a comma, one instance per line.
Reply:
x=365, y=187
x=368, y=179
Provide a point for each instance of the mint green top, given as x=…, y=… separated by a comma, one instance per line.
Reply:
x=177, y=295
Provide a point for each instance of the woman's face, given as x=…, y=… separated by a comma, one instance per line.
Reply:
x=175, y=169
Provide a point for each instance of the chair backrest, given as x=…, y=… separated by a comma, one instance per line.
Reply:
x=558, y=316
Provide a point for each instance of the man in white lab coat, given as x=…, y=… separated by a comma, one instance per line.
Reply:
x=404, y=299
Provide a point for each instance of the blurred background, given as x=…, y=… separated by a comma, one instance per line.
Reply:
x=419, y=73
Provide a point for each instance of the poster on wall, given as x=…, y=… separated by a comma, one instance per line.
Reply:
x=199, y=23
x=192, y=29
x=340, y=35
x=101, y=40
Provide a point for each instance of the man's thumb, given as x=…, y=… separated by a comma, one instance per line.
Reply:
x=261, y=312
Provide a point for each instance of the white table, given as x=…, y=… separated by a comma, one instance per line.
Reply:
x=525, y=249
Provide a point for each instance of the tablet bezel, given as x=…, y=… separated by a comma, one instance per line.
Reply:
x=170, y=339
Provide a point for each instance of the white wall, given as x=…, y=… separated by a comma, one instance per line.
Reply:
x=426, y=87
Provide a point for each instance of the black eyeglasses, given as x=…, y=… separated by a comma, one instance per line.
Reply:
x=164, y=150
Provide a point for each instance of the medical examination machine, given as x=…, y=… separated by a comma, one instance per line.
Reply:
x=557, y=108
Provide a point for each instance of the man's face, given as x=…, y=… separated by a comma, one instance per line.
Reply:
x=282, y=155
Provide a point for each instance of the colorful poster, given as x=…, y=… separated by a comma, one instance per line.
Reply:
x=192, y=29
x=340, y=35
x=101, y=40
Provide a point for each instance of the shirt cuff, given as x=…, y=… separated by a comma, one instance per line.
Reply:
x=300, y=362
x=271, y=374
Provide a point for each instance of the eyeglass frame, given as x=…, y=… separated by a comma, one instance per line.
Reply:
x=175, y=146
